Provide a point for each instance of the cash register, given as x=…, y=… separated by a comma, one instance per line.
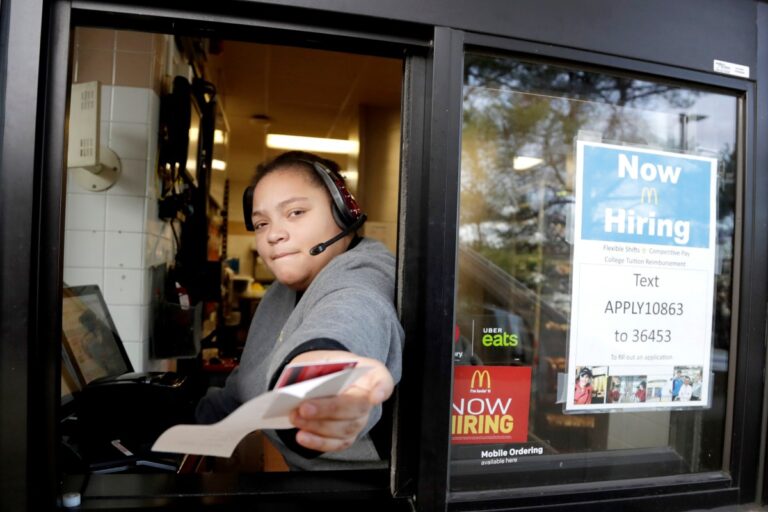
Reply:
x=111, y=415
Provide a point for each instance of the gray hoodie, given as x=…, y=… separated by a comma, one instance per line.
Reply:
x=349, y=305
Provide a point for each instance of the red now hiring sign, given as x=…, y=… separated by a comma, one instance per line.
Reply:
x=490, y=404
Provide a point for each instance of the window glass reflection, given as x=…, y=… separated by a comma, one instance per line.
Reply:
x=520, y=125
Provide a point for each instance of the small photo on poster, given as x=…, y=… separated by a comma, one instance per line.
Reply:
x=590, y=386
x=686, y=383
x=659, y=387
x=624, y=389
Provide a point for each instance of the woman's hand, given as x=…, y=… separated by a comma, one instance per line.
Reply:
x=333, y=423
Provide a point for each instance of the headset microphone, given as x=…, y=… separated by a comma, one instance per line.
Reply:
x=321, y=247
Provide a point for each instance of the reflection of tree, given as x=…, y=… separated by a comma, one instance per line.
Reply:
x=726, y=208
x=513, y=221
x=517, y=218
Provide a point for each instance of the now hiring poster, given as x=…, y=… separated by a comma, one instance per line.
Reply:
x=643, y=278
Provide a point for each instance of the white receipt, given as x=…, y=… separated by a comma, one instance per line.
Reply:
x=267, y=411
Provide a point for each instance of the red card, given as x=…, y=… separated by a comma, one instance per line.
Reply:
x=300, y=372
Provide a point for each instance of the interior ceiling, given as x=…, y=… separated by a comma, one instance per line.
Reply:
x=302, y=91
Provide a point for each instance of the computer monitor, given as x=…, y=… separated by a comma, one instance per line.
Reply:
x=92, y=349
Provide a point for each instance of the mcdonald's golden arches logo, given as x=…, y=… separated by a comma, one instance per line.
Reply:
x=480, y=379
x=651, y=194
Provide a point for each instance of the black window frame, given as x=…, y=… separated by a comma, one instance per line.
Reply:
x=738, y=483
x=34, y=52
x=390, y=490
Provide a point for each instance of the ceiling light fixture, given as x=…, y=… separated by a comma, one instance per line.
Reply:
x=316, y=144
x=523, y=163
x=219, y=165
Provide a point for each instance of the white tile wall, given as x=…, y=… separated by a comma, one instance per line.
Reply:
x=123, y=287
x=81, y=276
x=112, y=237
x=154, y=121
x=137, y=354
x=128, y=320
x=125, y=213
x=84, y=248
x=124, y=250
x=85, y=211
x=131, y=105
x=106, y=102
x=133, y=179
x=129, y=140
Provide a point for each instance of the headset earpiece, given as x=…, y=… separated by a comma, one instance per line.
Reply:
x=346, y=211
x=337, y=216
x=248, y=208
x=344, y=207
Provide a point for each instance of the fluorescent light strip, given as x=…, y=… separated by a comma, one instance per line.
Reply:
x=523, y=163
x=316, y=144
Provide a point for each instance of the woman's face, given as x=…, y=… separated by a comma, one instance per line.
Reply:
x=584, y=380
x=291, y=215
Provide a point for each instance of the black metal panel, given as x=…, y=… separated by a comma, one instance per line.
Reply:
x=21, y=33
x=747, y=403
x=332, y=490
x=342, y=490
x=709, y=489
x=749, y=368
x=442, y=144
x=276, y=24
x=155, y=491
x=48, y=244
x=687, y=33
x=590, y=61
x=20, y=36
x=673, y=502
x=412, y=294
x=761, y=166
x=750, y=362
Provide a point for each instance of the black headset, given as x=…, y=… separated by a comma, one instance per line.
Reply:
x=344, y=207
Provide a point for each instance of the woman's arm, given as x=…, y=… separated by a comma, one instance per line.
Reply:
x=333, y=423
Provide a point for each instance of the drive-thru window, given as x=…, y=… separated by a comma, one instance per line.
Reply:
x=574, y=196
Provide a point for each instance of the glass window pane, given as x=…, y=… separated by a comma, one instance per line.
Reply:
x=521, y=124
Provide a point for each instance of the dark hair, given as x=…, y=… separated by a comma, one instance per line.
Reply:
x=585, y=371
x=300, y=160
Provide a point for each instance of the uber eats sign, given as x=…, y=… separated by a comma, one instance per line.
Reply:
x=498, y=337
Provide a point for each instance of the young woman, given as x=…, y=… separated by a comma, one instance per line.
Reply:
x=332, y=299
x=582, y=393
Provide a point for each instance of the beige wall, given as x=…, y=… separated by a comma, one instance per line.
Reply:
x=380, y=172
x=119, y=57
x=113, y=237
